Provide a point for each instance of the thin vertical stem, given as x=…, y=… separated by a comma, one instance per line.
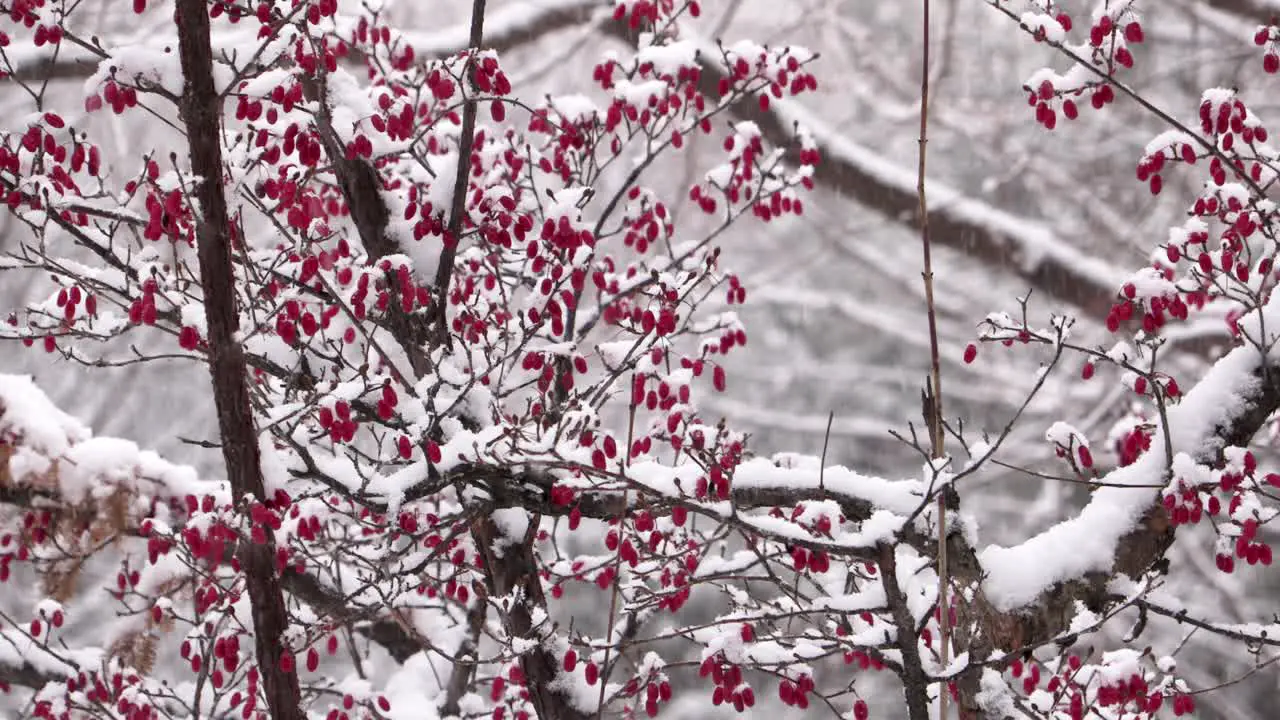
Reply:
x=934, y=405
x=465, y=142
x=617, y=568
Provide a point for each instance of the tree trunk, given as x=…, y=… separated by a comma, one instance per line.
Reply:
x=201, y=113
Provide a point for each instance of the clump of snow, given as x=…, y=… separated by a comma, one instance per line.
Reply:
x=668, y=59
x=27, y=414
x=1150, y=283
x=1045, y=25
x=1065, y=435
x=41, y=435
x=574, y=108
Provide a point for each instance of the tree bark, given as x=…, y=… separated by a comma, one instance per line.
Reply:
x=511, y=579
x=201, y=110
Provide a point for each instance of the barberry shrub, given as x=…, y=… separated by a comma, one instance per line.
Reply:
x=457, y=339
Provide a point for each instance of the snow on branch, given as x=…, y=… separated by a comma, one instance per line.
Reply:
x=1224, y=409
x=49, y=452
x=1032, y=593
x=97, y=490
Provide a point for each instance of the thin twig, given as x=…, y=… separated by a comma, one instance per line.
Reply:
x=617, y=569
x=933, y=404
x=465, y=143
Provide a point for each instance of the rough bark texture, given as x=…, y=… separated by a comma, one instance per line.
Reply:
x=201, y=110
x=915, y=681
x=513, y=584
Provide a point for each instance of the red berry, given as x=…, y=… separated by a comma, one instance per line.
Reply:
x=188, y=338
x=1086, y=457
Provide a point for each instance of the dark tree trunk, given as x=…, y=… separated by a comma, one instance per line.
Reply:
x=201, y=112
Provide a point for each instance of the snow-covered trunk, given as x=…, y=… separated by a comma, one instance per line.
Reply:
x=511, y=578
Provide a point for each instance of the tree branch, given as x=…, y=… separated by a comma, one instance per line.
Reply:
x=915, y=680
x=1254, y=10
x=512, y=581
x=458, y=211
x=1229, y=405
x=25, y=676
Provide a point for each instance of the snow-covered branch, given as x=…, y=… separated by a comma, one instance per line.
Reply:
x=1033, y=593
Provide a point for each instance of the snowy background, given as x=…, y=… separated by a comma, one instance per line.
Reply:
x=835, y=313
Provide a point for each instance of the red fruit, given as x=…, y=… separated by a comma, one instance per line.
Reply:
x=970, y=353
x=787, y=692
x=1271, y=63
x=1133, y=32
x=188, y=338
x=1086, y=457
x=860, y=711
x=1087, y=371
x=680, y=514
x=570, y=661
